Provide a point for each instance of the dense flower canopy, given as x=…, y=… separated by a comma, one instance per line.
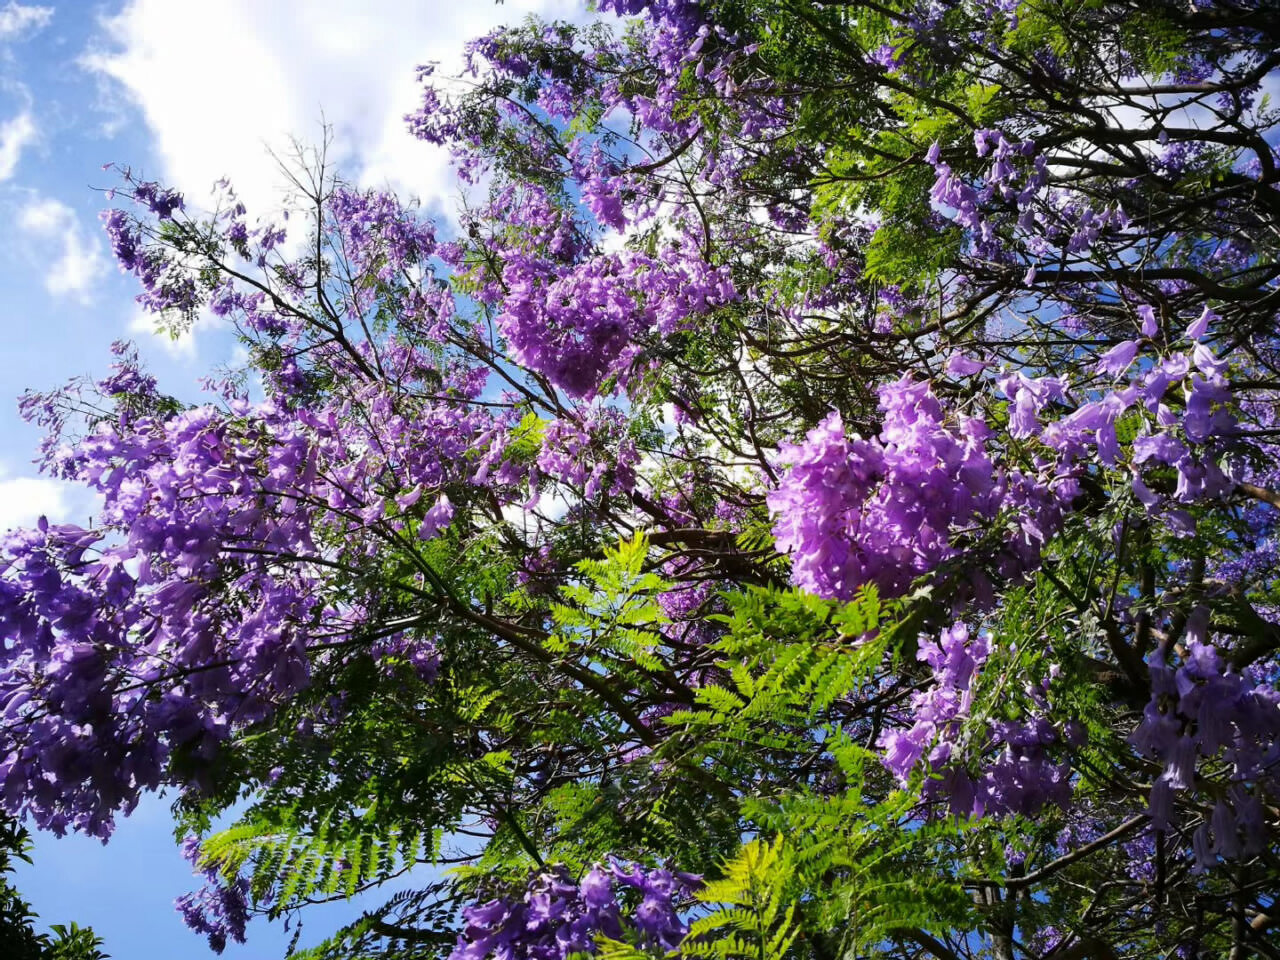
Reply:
x=817, y=499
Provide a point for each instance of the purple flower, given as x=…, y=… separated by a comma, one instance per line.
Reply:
x=554, y=917
x=1150, y=325
x=1118, y=359
x=1200, y=326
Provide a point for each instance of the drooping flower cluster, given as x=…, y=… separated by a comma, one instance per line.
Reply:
x=220, y=908
x=164, y=288
x=884, y=511
x=557, y=917
x=1003, y=768
x=1208, y=721
x=573, y=453
x=1190, y=434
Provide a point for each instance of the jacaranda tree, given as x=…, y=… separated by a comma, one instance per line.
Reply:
x=816, y=500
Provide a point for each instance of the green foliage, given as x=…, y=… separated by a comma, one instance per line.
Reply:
x=910, y=258
x=412, y=925
x=74, y=942
x=291, y=862
x=789, y=656
x=615, y=609
x=758, y=919
x=839, y=877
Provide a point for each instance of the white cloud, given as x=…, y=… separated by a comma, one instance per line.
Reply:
x=16, y=18
x=15, y=135
x=74, y=257
x=23, y=500
x=181, y=347
x=146, y=324
x=219, y=82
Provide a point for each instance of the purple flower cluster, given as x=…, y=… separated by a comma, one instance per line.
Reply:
x=575, y=324
x=220, y=908
x=1014, y=771
x=160, y=201
x=587, y=450
x=385, y=243
x=887, y=510
x=1207, y=722
x=1190, y=438
x=1009, y=204
x=556, y=917
x=163, y=288
x=1004, y=179
x=189, y=612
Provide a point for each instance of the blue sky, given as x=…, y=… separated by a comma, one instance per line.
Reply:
x=186, y=91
